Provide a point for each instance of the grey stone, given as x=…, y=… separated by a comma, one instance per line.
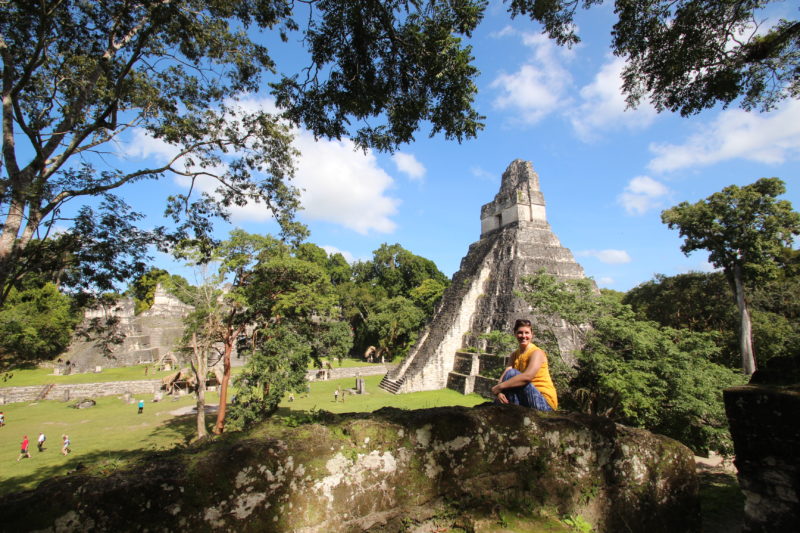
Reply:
x=515, y=241
x=376, y=472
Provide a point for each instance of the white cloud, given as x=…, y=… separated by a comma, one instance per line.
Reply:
x=332, y=250
x=538, y=87
x=482, y=174
x=603, y=106
x=409, y=165
x=769, y=138
x=339, y=184
x=609, y=256
x=605, y=281
x=344, y=185
x=700, y=266
x=642, y=194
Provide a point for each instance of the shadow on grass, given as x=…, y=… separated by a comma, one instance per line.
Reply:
x=721, y=502
x=180, y=429
x=98, y=463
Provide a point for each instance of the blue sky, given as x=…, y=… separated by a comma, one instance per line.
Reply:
x=606, y=172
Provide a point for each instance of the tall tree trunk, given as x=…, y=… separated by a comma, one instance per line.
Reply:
x=200, y=367
x=230, y=339
x=219, y=427
x=745, y=326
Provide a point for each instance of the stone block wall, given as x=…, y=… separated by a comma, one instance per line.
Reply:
x=765, y=426
x=68, y=392
x=353, y=372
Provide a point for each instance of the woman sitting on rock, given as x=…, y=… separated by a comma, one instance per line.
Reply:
x=526, y=379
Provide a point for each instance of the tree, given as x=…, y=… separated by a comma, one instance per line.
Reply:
x=704, y=302
x=744, y=230
x=635, y=371
x=688, y=55
x=393, y=325
x=36, y=323
x=265, y=287
x=204, y=326
x=398, y=270
x=77, y=75
x=276, y=366
x=427, y=294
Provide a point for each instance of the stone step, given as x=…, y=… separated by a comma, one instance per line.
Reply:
x=460, y=382
x=391, y=385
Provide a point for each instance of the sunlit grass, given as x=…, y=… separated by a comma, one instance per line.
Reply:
x=42, y=376
x=111, y=434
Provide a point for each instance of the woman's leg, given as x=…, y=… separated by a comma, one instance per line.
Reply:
x=527, y=396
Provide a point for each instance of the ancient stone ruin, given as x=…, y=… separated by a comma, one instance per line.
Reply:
x=515, y=241
x=389, y=471
x=763, y=418
x=147, y=337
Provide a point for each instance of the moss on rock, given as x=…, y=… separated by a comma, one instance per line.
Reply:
x=389, y=471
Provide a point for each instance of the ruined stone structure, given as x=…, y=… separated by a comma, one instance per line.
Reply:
x=763, y=418
x=389, y=471
x=516, y=241
x=147, y=336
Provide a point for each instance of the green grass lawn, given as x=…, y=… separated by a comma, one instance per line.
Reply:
x=347, y=363
x=112, y=434
x=41, y=376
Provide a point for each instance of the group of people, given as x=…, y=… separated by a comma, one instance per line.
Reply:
x=23, y=450
x=337, y=394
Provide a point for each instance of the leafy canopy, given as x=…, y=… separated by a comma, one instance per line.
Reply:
x=635, y=371
x=687, y=55
x=745, y=226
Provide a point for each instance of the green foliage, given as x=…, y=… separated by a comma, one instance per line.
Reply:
x=688, y=55
x=704, y=302
x=638, y=372
x=427, y=294
x=661, y=379
x=745, y=227
x=394, y=323
x=698, y=301
x=331, y=340
x=36, y=324
x=499, y=342
x=572, y=300
x=277, y=365
x=745, y=231
x=398, y=271
x=390, y=66
x=143, y=289
x=393, y=273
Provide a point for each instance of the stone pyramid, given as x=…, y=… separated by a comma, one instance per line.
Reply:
x=515, y=241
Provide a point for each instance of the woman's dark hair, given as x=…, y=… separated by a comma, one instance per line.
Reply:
x=520, y=323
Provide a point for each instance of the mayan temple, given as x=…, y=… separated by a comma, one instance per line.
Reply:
x=515, y=241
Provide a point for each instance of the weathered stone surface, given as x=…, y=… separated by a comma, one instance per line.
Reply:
x=147, y=336
x=385, y=471
x=763, y=419
x=516, y=241
x=78, y=390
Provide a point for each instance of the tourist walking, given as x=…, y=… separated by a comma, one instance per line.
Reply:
x=23, y=448
x=141, y=406
x=65, y=445
x=336, y=395
x=40, y=442
x=2, y=419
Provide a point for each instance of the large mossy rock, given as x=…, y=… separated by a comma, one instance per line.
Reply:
x=387, y=471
